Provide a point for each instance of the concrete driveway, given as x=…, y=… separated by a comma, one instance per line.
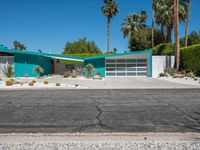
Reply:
x=100, y=111
x=126, y=83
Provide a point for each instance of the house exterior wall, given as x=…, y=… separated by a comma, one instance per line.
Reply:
x=160, y=63
x=98, y=63
x=24, y=64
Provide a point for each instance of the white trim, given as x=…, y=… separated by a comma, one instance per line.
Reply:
x=62, y=58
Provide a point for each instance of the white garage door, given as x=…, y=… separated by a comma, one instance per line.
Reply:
x=126, y=67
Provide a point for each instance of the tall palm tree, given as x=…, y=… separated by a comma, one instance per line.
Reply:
x=189, y=2
x=152, y=29
x=133, y=23
x=110, y=9
x=176, y=33
x=19, y=46
x=164, y=14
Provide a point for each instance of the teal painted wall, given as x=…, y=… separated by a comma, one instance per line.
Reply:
x=25, y=64
x=98, y=63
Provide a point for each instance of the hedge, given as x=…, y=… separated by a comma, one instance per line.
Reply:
x=190, y=58
x=163, y=49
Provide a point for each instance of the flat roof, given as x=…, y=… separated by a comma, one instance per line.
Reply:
x=120, y=54
x=55, y=56
x=73, y=58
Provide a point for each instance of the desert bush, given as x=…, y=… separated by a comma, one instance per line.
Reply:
x=33, y=81
x=57, y=84
x=12, y=80
x=66, y=74
x=31, y=84
x=75, y=74
x=9, y=83
x=162, y=75
x=169, y=71
x=46, y=82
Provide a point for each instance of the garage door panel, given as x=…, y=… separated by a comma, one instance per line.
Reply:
x=126, y=67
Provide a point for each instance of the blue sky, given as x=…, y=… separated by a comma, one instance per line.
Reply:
x=49, y=24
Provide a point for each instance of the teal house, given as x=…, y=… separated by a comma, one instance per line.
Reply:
x=131, y=64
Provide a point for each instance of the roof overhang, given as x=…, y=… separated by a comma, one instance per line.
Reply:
x=66, y=58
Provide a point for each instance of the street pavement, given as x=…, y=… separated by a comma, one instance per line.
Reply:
x=100, y=111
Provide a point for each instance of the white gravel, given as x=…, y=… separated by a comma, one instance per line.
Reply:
x=186, y=141
x=104, y=146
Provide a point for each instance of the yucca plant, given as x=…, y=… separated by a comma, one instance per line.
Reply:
x=8, y=71
x=38, y=70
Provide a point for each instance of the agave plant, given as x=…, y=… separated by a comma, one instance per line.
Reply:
x=89, y=68
x=8, y=71
x=38, y=70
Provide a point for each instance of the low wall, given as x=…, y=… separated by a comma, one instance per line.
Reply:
x=160, y=63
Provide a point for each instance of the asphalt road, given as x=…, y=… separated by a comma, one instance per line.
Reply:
x=100, y=111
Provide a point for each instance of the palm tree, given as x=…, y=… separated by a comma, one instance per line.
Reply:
x=110, y=9
x=115, y=50
x=152, y=29
x=164, y=14
x=189, y=2
x=133, y=23
x=176, y=33
x=19, y=46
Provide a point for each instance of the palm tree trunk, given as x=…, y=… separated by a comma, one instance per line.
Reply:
x=169, y=31
x=162, y=32
x=108, y=42
x=176, y=33
x=152, y=30
x=187, y=23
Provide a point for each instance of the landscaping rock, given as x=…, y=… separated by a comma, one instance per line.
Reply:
x=178, y=76
x=97, y=77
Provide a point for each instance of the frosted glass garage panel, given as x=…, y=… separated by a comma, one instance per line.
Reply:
x=126, y=67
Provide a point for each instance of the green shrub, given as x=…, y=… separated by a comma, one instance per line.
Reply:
x=9, y=83
x=190, y=58
x=67, y=74
x=162, y=75
x=31, y=84
x=8, y=71
x=164, y=49
x=57, y=84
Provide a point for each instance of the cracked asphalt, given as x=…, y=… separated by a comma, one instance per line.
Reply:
x=89, y=111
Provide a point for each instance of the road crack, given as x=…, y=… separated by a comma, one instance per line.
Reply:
x=98, y=116
x=178, y=109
